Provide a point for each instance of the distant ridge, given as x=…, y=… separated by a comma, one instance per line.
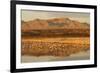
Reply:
x=56, y=23
x=55, y=27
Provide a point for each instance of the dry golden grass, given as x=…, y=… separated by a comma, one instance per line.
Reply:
x=54, y=46
x=77, y=40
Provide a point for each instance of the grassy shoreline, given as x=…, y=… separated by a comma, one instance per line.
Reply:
x=54, y=46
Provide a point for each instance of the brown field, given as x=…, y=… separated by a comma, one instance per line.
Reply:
x=61, y=46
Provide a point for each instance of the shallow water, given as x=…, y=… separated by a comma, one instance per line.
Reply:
x=79, y=56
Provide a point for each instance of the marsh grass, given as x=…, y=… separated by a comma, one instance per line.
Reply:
x=62, y=46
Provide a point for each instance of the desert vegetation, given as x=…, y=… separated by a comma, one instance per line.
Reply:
x=54, y=47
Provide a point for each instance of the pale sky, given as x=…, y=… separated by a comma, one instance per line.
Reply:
x=28, y=15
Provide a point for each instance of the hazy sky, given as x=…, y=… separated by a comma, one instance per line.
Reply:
x=28, y=15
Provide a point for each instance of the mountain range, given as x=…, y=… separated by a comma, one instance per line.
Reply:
x=55, y=26
x=56, y=23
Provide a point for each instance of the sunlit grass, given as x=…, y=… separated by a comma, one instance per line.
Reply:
x=54, y=46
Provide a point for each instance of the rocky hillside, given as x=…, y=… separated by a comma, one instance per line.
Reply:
x=55, y=27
